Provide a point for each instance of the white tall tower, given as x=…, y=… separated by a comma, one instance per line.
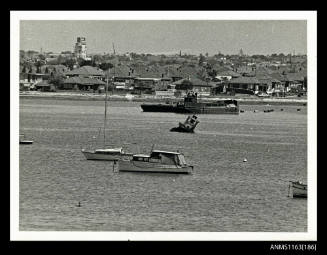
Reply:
x=80, y=48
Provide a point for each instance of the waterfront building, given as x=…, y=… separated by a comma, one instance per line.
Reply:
x=86, y=71
x=83, y=83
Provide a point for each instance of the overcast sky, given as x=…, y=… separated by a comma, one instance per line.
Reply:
x=189, y=36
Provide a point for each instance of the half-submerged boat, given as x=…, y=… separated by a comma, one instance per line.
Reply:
x=23, y=141
x=109, y=154
x=298, y=189
x=191, y=105
x=188, y=126
x=157, y=162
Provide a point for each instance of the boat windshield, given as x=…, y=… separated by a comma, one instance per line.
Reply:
x=109, y=151
x=181, y=160
x=168, y=159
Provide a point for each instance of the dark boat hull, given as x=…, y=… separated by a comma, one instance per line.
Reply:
x=158, y=108
x=25, y=142
x=184, y=130
x=193, y=109
x=207, y=110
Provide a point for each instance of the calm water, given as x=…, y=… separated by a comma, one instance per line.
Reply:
x=223, y=194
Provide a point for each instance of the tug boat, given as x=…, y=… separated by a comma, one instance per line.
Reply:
x=157, y=162
x=298, y=189
x=191, y=105
x=188, y=126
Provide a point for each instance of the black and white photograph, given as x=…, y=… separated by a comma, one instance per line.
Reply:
x=160, y=125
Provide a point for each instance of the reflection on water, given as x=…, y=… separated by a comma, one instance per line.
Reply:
x=223, y=194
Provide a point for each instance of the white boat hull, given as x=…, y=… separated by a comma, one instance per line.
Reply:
x=132, y=166
x=25, y=142
x=92, y=155
x=299, y=190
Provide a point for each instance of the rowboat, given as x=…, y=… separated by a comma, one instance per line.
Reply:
x=21, y=141
x=298, y=189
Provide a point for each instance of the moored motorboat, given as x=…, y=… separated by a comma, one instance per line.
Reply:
x=298, y=189
x=158, y=161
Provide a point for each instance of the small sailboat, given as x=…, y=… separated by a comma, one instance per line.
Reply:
x=157, y=162
x=188, y=126
x=109, y=154
x=23, y=141
x=297, y=189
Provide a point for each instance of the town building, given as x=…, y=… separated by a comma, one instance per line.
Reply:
x=85, y=78
x=86, y=71
x=80, y=48
x=84, y=83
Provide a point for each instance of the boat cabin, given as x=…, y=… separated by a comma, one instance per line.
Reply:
x=162, y=157
x=117, y=151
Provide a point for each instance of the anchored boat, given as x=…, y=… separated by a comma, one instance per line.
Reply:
x=188, y=126
x=157, y=162
x=23, y=141
x=298, y=189
x=191, y=105
x=110, y=154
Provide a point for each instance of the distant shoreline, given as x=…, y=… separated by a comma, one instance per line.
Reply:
x=243, y=100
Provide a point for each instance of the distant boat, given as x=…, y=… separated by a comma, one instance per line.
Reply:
x=104, y=153
x=298, y=189
x=191, y=105
x=157, y=162
x=188, y=126
x=23, y=141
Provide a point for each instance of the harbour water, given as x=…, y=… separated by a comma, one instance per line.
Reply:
x=224, y=193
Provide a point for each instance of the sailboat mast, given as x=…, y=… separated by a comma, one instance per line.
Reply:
x=105, y=113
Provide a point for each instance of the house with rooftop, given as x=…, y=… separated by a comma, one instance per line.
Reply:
x=86, y=71
x=226, y=75
x=245, y=85
x=84, y=83
x=84, y=78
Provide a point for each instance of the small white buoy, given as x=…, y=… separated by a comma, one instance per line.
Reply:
x=245, y=160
